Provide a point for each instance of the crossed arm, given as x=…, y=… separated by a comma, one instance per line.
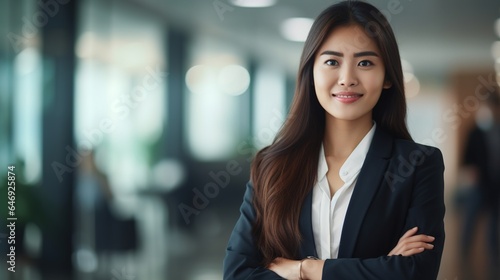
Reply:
x=409, y=244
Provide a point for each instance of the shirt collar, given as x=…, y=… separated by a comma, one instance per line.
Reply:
x=322, y=165
x=353, y=163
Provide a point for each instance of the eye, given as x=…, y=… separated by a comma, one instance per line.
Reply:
x=365, y=63
x=331, y=62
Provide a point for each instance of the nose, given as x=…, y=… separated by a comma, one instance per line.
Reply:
x=347, y=77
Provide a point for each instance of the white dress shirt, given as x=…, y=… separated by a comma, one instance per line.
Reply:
x=328, y=213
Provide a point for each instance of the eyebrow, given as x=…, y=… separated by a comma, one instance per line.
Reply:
x=359, y=54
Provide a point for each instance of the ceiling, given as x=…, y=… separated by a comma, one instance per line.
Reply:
x=436, y=37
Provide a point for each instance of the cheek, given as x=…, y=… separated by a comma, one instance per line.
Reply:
x=374, y=82
x=316, y=78
x=321, y=79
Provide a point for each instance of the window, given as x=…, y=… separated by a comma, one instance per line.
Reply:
x=215, y=81
x=270, y=104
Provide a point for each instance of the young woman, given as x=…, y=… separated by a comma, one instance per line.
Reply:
x=343, y=192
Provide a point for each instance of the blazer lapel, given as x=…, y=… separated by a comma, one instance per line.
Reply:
x=307, y=246
x=369, y=180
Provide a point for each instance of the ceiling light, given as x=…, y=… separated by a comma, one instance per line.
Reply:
x=233, y=79
x=296, y=29
x=199, y=78
x=253, y=3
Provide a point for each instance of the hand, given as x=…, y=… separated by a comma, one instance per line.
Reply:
x=410, y=244
x=288, y=269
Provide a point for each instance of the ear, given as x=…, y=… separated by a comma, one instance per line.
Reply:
x=387, y=84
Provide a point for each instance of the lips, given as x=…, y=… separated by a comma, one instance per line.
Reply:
x=347, y=97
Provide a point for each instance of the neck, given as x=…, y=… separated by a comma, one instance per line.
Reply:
x=342, y=137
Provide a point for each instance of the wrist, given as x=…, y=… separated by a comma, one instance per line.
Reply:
x=311, y=269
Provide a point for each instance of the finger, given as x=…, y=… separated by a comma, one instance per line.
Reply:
x=405, y=251
x=413, y=239
x=417, y=238
x=403, y=248
x=414, y=245
x=412, y=252
x=409, y=233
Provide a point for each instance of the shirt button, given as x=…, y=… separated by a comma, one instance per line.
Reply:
x=345, y=173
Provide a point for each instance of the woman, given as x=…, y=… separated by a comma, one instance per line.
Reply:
x=343, y=192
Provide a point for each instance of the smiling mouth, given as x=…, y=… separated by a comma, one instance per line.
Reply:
x=347, y=97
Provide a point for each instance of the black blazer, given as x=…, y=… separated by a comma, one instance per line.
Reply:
x=400, y=186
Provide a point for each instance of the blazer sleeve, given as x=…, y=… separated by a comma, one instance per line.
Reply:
x=426, y=211
x=242, y=260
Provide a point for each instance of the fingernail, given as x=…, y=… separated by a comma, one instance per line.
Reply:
x=415, y=228
x=432, y=237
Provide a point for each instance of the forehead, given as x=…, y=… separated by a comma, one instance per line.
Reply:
x=349, y=39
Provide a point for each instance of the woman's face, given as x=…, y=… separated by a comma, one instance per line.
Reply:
x=349, y=74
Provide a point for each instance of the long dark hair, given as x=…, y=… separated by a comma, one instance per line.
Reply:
x=285, y=172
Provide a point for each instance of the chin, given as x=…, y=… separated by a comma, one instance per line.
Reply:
x=348, y=116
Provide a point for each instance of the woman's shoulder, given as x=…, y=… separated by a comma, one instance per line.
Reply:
x=411, y=149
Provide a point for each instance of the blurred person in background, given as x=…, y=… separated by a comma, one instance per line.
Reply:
x=93, y=223
x=343, y=192
x=481, y=166
x=103, y=236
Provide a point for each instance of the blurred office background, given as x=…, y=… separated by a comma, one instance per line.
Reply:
x=132, y=123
